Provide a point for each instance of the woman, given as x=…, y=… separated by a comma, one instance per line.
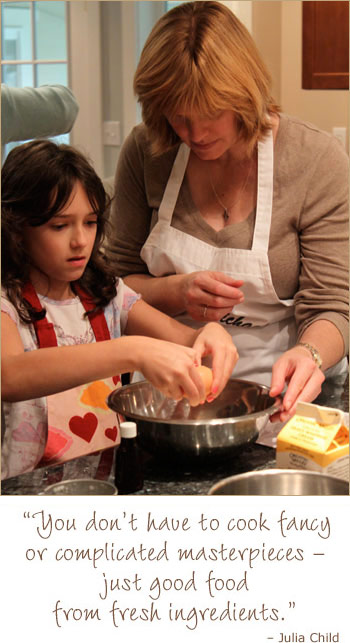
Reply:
x=229, y=210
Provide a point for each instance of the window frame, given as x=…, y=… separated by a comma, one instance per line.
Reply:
x=33, y=61
x=84, y=26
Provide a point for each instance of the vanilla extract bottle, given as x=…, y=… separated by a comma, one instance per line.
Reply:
x=128, y=461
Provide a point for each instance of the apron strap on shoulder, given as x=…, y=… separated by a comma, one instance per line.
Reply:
x=44, y=331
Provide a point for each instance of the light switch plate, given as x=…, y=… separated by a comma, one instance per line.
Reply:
x=340, y=134
x=111, y=133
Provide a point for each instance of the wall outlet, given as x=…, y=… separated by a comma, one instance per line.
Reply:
x=340, y=134
x=111, y=133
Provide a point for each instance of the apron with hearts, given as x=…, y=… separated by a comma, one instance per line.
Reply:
x=79, y=420
x=263, y=326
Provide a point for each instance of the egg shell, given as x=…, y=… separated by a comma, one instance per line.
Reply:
x=207, y=377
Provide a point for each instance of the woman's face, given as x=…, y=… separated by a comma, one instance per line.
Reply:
x=208, y=138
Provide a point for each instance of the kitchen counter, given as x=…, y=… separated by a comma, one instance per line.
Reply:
x=170, y=478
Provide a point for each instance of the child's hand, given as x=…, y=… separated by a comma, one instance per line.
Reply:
x=214, y=340
x=172, y=369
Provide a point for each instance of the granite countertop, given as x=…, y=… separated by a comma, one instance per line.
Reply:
x=170, y=477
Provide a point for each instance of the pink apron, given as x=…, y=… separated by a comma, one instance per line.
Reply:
x=79, y=420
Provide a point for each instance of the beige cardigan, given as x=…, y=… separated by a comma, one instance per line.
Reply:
x=308, y=248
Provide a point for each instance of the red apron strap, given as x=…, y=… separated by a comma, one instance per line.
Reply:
x=44, y=331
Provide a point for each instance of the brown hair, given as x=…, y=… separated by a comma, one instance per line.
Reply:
x=37, y=180
x=199, y=57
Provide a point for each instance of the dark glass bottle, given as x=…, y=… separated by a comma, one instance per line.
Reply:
x=128, y=461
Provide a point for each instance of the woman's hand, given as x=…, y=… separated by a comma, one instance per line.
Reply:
x=171, y=368
x=208, y=295
x=215, y=341
x=297, y=369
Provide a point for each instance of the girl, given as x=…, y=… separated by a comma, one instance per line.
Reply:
x=59, y=295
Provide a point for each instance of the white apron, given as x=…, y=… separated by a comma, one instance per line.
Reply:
x=263, y=326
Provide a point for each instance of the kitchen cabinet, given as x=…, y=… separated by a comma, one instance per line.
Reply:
x=325, y=45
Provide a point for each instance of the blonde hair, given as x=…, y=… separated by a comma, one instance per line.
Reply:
x=200, y=58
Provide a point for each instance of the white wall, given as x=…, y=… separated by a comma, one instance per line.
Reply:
x=124, y=28
x=243, y=11
x=112, y=79
x=86, y=80
x=267, y=34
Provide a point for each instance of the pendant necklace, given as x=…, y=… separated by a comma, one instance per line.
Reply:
x=226, y=212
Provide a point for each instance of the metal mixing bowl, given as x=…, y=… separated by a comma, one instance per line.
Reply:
x=280, y=482
x=80, y=487
x=170, y=428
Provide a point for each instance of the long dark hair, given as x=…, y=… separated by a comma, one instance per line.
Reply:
x=36, y=183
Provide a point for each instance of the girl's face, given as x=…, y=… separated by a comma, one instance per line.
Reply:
x=209, y=139
x=61, y=248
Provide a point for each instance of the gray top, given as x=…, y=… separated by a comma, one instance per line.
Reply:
x=30, y=112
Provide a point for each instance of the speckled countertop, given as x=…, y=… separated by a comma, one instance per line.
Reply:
x=169, y=477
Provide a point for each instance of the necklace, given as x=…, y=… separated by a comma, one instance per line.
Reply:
x=226, y=212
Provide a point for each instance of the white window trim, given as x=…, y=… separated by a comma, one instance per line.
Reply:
x=85, y=78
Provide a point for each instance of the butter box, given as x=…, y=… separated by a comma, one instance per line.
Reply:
x=315, y=438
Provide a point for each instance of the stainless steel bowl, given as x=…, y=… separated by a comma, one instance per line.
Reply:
x=280, y=482
x=170, y=428
x=80, y=487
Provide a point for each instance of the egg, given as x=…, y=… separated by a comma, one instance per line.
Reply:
x=207, y=377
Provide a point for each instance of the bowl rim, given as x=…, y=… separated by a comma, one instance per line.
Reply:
x=270, y=473
x=62, y=483
x=195, y=422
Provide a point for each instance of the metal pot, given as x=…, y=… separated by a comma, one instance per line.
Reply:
x=280, y=482
x=170, y=428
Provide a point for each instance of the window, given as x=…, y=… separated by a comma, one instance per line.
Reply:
x=170, y=5
x=34, y=46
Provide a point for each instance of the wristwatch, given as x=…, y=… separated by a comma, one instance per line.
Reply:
x=314, y=353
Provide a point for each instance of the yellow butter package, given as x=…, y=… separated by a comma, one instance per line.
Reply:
x=315, y=438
